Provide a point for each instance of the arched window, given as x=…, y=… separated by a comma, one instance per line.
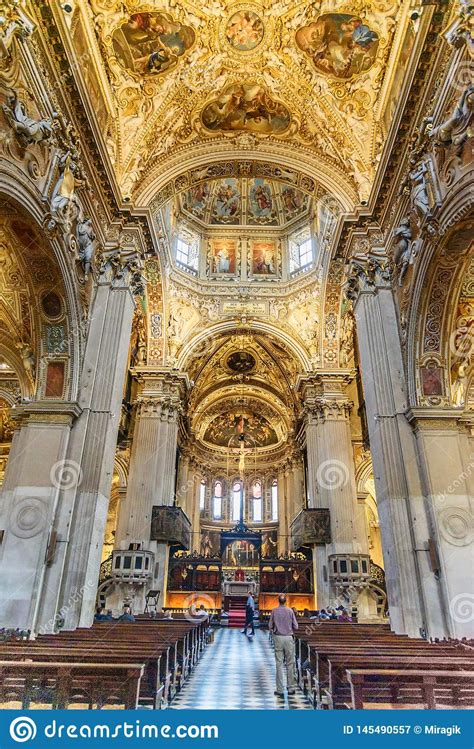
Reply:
x=202, y=495
x=256, y=497
x=217, y=501
x=274, y=500
x=236, y=498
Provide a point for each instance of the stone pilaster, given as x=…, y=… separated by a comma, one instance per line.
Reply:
x=36, y=471
x=412, y=588
x=73, y=576
x=331, y=472
x=160, y=394
x=445, y=448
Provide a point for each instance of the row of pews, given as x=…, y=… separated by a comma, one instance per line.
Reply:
x=111, y=664
x=366, y=666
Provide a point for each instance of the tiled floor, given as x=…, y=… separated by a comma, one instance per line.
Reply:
x=236, y=673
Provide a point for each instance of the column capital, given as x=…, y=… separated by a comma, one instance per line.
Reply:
x=324, y=394
x=121, y=267
x=160, y=392
x=368, y=267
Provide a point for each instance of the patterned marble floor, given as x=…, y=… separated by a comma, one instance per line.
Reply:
x=236, y=673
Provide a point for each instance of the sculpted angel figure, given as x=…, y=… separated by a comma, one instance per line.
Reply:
x=457, y=128
x=86, y=241
x=64, y=201
x=28, y=359
x=459, y=386
x=26, y=129
x=419, y=192
x=402, y=255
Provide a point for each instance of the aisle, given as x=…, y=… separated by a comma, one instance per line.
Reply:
x=236, y=673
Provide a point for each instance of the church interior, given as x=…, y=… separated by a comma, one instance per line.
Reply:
x=236, y=349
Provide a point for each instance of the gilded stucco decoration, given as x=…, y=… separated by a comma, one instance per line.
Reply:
x=180, y=77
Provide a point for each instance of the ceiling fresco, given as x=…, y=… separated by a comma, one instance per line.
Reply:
x=151, y=43
x=183, y=76
x=226, y=429
x=245, y=202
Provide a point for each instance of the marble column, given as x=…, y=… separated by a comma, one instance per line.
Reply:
x=282, y=514
x=445, y=447
x=158, y=403
x=413, y=591
x=331, y=470
x=29, y=505
x=73, y=576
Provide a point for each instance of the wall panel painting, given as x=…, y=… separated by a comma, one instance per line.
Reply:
x=223, y=260
x=263, y=258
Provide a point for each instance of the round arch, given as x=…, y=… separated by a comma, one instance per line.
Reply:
x=17, y=190
x=258, y=326
x=307, y=174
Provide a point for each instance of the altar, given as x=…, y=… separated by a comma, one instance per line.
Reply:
x=239, y=587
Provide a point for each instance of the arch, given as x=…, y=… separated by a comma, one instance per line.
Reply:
x=257, y=326
x=450, y=216
x=17, y=190
x=165, y=180
x=437, y=289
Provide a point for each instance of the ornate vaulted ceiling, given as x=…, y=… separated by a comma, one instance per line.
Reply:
x=170, y=81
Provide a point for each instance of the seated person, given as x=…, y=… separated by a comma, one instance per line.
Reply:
x=323, y=614
x=344, y=616
x=103, y=616
x=127, y=615
x=168, y=615
x=316, y=615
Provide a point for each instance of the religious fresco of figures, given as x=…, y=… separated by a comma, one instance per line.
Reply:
x=246, y=106
x=151, y=43
x=226, y=428
x=261, y=207
x=210, y=543
x=226, y=205
x=263, y=258
x=339, y=44
x=431, y=379
x=196, y=199
x=241, y=554
x=270, y=544
x=223, y=257
x=294, y=202
x=244, y=30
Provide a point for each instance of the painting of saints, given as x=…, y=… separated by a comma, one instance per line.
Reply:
x=261, y=202
x=196, y=199
x=431, y=379
x=339, y=44
x=294, y=201
x=223, y=254
x=150, y=43
x=263, y=259
x=248, y=107
x=227, y=203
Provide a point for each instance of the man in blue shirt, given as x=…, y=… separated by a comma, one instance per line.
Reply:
x=249, y=614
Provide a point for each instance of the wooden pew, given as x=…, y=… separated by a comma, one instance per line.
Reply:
x=338, y=690
x=59, y=683
x=436, y=688
x=152, y=685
